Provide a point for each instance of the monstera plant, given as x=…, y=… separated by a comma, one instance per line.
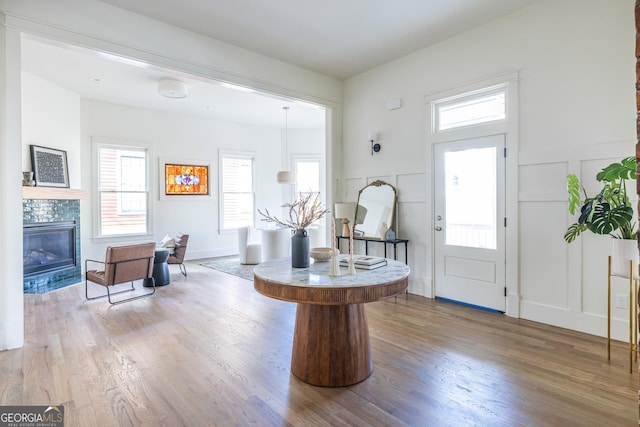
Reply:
x=608, y=212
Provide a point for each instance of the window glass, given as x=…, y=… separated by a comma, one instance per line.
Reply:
x=470, y=187
x=123, y=191
x=307, y=176
x=471, y=110
x=308, y=180
x=236, y=177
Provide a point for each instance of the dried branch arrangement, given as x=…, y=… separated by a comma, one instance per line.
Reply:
x=302, y=213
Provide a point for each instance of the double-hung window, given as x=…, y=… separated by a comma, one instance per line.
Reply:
x=122, y=190
x=237, y=190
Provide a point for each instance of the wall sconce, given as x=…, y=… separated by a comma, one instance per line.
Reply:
x=375, y=147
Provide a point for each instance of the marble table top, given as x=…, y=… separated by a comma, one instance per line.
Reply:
x=317, y=274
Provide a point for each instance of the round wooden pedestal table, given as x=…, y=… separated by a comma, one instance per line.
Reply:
x=331, y=336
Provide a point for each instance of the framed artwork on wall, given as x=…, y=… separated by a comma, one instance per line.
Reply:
x=186, y=179
x=49, y=167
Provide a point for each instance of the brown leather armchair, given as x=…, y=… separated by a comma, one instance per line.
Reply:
x=122, y=264
x=177, y=256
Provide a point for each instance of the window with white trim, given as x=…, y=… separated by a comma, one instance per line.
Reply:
x=470, y=109
x=122, y=190
x=309, y=177
x=237, y=200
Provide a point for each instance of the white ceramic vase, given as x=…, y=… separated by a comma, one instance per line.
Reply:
x=624, y=250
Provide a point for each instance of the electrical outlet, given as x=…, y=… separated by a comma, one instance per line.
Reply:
x=622, y=301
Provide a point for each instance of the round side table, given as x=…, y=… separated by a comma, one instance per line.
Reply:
x=160, y=268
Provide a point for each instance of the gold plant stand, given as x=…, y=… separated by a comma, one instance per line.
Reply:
x=633, y=315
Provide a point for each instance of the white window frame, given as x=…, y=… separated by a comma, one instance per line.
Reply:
x=319, y=158
x=222, y=154
x=467, y=97
x=119, y=177
x=97, y=144
x=310, y=158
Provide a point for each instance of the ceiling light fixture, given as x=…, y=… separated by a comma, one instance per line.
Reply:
x=285, y=176
x=172, y=88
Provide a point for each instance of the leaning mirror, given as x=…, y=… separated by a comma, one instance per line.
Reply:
x=375, y=210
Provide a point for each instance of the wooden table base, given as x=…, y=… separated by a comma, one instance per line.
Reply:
x=331, y=345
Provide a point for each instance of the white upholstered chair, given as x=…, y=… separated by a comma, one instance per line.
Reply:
x=250, y=252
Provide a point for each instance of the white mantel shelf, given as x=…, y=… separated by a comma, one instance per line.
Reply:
x=53, y=193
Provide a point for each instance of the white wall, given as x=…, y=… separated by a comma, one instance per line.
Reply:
x=576, y=69
x=50, y=118
x=11, y=295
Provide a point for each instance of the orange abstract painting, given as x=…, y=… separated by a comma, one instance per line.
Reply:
x=186, y=180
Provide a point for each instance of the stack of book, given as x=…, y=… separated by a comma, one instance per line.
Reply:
x=364, y=262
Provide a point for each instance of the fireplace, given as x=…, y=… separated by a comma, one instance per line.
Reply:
x=48, y=247
x=49, y=266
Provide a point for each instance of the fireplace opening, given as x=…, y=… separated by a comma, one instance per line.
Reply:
x=48, y=247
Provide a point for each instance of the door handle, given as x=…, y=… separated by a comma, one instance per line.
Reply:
x=438, y=228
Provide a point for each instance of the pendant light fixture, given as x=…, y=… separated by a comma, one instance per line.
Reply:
x=285, y=176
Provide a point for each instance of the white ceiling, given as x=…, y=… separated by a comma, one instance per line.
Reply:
x=95, y=75
x=339, y=38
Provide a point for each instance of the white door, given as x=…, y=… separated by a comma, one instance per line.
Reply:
x=470, y=221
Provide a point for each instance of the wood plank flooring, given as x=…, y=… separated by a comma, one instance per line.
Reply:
x=208, y=350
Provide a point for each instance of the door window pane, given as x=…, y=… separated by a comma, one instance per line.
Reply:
x=470, y=198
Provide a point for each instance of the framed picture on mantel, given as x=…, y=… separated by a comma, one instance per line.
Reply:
x=49, y=167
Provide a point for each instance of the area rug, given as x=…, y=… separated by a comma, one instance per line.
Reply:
x=231, y=266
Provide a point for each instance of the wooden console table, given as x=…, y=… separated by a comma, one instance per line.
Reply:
x=366, y=240
x=331, y=336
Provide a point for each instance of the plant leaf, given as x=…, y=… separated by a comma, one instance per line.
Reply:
x=606, y=220
x=589, y=208
x=625, y=169
x=573, y=189
x=574, y=231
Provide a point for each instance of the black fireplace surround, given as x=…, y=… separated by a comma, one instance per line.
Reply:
x=48, y=247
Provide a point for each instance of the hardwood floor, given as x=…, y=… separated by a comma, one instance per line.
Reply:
x=208, y=350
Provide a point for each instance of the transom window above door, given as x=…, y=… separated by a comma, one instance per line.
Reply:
x=470, y=109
